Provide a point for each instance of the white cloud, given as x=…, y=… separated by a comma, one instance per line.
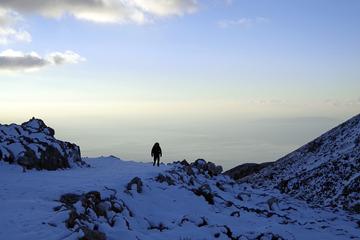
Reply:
x=166, y=7
x=59, y=58
x=9, y=30
x=110, y=11
x=241, y=22
x=11, y=60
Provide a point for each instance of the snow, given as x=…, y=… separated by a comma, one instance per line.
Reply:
x=27, y=200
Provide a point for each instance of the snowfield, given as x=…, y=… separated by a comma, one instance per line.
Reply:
x=184, y=202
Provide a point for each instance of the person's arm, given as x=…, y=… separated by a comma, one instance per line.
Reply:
x=160, y=152
x=152, y=152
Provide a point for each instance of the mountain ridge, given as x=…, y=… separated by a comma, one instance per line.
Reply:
x=323, y=172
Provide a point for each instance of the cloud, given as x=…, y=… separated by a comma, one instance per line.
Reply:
x=11, y=60
x=106, y=11
x=166, y=7
x=68, y=57
x=9, y=30
x=241, y=22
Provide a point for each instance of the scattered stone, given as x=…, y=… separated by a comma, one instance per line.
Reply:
x=137, y=181
x=71, y=221
x=70, y=198
x=207, y=167
x=184, y=163
x=161, y=178
x=92, y=234
x=205, y=191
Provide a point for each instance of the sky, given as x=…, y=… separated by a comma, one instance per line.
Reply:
x=230, y=81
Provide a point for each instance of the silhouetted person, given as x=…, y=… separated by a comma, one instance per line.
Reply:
x=156, y=153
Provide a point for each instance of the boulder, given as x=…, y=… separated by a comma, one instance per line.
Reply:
x=33, y=145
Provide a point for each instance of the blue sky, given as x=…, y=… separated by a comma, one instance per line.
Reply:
x=181, y=71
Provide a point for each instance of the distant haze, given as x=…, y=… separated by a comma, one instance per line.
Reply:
x=226, y=142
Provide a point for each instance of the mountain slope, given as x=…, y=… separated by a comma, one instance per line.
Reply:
x=324, y=172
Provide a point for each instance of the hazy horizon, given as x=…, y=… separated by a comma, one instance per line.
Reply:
x=227, y=81
x=252, y=140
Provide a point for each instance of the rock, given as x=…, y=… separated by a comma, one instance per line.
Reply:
x=161, y=178
x=218, y=170
x=92, y=234
x=184, y=163
x=211, y=168
x=137, y=181
x=214, y=170
x=207, y=167
x=71, y=221
x=199, y=162
x=52, y=159
x=116, y=207
x=33, y=145
x=188, y=169
x=205, y=191
x=70, y=198
x=37, y=125
x=102, y=208
x=27, y=159
x=93, y=196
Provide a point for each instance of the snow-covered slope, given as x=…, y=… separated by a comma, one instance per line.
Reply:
x=177, y=201
x=33, y=145
x=324, y=172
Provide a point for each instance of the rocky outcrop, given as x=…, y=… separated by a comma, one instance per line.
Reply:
x=246, y=169
x=33, y=145
x=206, y=167
x=324, y=172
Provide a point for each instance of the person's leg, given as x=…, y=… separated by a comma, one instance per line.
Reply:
x=158, y=161
x=154, y=160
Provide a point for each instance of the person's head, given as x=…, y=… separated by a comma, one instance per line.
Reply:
x=157, y=144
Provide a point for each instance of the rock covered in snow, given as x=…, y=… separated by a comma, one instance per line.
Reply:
x=324, y=172
x=33, y=145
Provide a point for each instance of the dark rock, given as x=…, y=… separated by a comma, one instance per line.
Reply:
x=189, y=171
x=117, y=208
x=205, y=191
x=137, y=181
x=102, y=208
x=27, y=159
x=71, y=221
x=199, y=163
x=207, y=167
x=52, y=159
x=92, y=234
x=93, y=196
x=70, y=198
x=161, y=178
x=184, y=163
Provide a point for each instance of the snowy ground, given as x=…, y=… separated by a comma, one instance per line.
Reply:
x=27, y=201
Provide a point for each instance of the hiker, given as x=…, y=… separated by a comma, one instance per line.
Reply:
x=156, y=153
